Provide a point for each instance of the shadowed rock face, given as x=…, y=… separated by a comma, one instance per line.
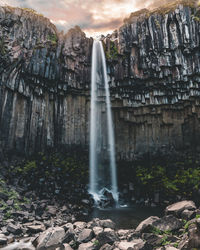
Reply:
x=154, y=69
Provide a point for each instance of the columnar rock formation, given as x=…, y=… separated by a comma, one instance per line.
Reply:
x=154, y=69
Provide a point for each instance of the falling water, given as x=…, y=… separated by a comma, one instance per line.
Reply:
x=102, y=142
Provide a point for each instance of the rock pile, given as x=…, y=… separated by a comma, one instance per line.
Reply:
x=170, y=232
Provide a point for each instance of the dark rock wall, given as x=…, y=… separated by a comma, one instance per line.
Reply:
x=154, y=81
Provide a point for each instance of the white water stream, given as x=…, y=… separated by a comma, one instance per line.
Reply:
x=102, y=142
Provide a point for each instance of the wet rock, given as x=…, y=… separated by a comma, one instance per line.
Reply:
x=107, y=237
x=179, y=207
x=51, y=238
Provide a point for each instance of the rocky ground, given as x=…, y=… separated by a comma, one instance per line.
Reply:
x=41, y=225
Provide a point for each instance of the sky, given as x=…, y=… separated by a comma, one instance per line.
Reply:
x=95, y=17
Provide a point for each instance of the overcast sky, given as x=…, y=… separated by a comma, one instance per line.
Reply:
x=93, y=16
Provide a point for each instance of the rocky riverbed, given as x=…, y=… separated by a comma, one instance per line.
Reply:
x=43, y=226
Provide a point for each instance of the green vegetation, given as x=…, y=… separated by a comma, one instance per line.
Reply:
x=167, y=177
x=112, y=53
x=53, y=38
x=180, y=180
x=163, y=9
x=44, y=173
x=30, y=10
x=96, y=243
x=13, y=196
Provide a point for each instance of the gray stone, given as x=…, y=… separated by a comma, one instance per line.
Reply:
x=107, y=237
x=15, y=229
x=51, y=238
x=107, y=223
x=168, y=223
x=179, y=207
x=147, y=224
x=133, y=245
x=86, y=246
x=85, y=236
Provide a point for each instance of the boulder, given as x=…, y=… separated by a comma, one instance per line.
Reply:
x=70, y=235
x=86, y=246
x=51, y=238
x=132, y=245
x=97, y=230
x=3, y=239
x=52, y=210
x=106, y=247
x=168, y=223
x=152, y=239
x=146, y=225
x=36, y=228
x=170, y=248
x=107, y=223
x=14, y=229
x=66, y=247
x=179, y=207
x=85, y=236
x=188, y=214
x=107, y=237
x=193, y=236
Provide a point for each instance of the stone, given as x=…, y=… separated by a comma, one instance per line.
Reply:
x=15, y=229
x=51, y=238
x=3, y=196
x=107, y=223
x=179, y=207
x=106, y=247
x=3, y=239
x=188, y=214
x=170, y=248
x=52, y=210
x=66, y=247
x=97, y=230
x=80, y=224
x=86, y=246
x=69, y=236
x=36, y=228
x=85, y=236
x=147, y=224
x=136, y=244
x=168, y=223
x=107, y=237
x=152, y=239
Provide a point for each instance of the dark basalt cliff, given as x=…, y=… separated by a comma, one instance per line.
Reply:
x=154, y=73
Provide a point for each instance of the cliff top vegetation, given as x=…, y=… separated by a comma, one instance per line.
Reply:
x=162, y=10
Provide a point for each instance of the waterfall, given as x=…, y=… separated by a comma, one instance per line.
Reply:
x=102, y=142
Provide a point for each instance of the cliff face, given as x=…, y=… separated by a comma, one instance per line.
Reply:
x=154, y=72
